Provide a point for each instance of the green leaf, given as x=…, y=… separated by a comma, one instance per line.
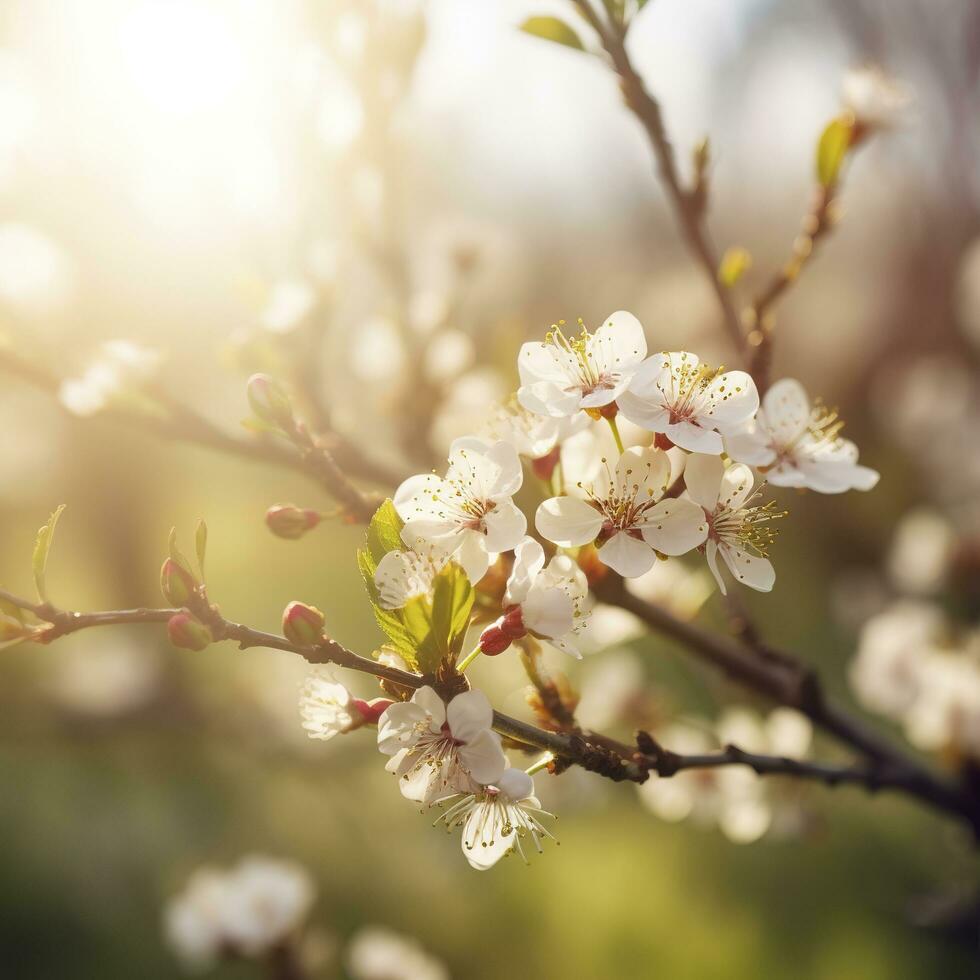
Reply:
x=438, y=625
x=201, y=544
x=385, y=531
x=734, y=264
x=176, y=554
x=553, y=29
x=42, y=546
x=832, y=149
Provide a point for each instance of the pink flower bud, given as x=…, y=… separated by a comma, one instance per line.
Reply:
x=372, y=710
x=302, y=624
x=493, y=640
x=269, y=401
x=176, y=583
x=290, y=522
x=544, y=466
x=512, y=623
x=187, y=633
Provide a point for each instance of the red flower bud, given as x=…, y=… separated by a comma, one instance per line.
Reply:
x=513, y=623
x=372, y=710
x=176, y=583
x=290, y=522
x=493, y=640
x=302, y=624
x=544, y=466
x=187, y=633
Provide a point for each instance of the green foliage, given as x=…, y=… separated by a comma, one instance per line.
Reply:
x=832, y=149
x=428, y=630
x=42, y=545
x=553, y=29
x=201, y=544
x=176, y=554
x=734, y=264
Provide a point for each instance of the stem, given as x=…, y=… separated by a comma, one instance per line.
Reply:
x=468, y=659
x=615, y=431
x=542, y=763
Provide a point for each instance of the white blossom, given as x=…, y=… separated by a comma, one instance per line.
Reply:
x=799, y=445
x=497, y=819
x=692, y=405
x=564, y=374
x=533, y=435
x=625, y=516
x=290, y=303
x=876, y=100
x=737, y=530
x=245, y=910
x=437, y=748
x=376, y=953
x=121, y=368
x=326, y=707
x=468, y=513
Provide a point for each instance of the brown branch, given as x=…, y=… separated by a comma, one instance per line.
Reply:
x=688, y=203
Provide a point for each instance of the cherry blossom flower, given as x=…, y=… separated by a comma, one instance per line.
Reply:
x=327, y=708
x=497, y=819
x=545, y=601
x=121, y=368
x=469, y=513
x=564, y=374
x=625, y=516
x=376, y=953
x=740, y=533
x=437, y=748
x=876, y=100
x=246, y=910
x=798, y=445
x=692, y=405
x=404, y=575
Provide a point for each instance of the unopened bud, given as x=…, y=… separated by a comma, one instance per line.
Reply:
x=187, y=633
x=13, y=629
x=512, y=623
x=302, y=624
x=493, y=640
x=176, y=583
x=291, y=522
x=371, y=710
x=544, y=466
x=269, y=401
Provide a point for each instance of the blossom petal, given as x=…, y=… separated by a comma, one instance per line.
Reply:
x=731, y=400
x=642, y=472
x=548, y=612
x=484, y=842
x=675, y=527
x=516, y=784
x=472, y=555
x=396, y=726
x=787, y=411
x=433, y=705
x=736, y=486
x=711, y=553
x=627, y=555
x=702, y=478
x=568, y=521
x=468, y=714
x=751, y=443
x=528, y=562
x=483, y=758
x=751, y=570
x=506, y=525
x=694, y=438
x=619, y=345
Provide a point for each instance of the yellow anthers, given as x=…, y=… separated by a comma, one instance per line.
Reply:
x=825, y=423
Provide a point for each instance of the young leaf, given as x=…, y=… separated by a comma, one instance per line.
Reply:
x=176, y=554
x=553, y=29
x=385, y=531
x=438, y=626
x=201, y=543
x=734, y=264
x=42, y=546
x=832, y=149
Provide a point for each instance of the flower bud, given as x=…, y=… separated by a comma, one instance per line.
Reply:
x=176, y=583
x=13, y=629
x=291, y=522
x=187, y=633
x=493, y=640
x=371, y=710
x=302, y=624
x=269, y=401
x=512, y=623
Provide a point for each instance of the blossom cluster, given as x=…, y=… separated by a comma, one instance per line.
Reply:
x=691, y=484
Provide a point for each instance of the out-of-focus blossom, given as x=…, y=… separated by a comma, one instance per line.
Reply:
x=498, y=819
x=674, y=586
x=464, y=406
x=876, y=99
x=538, y=438
x=968, y=294
x=327, y=708
x=340, y=115
x=733, y=797
x=376, y=953
x=290, y=304
x=921, y=550
x=692, y=405
x=377, y=350
x=564, y=375
x=797, y=445
x=740, y=534
x=246, y=910
x=611, y=686
x=469, y=512
x=437, y=748
x=449, y=355
x=625, y=515
x=36, y=276
x=120, y=370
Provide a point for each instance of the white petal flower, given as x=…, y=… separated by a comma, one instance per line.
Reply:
x=290, y=303
x=534, y=436
x=564, y=375
x=876, y=100
x=468, y=514
x=404, y=575
x=120, y=369
x=376, y=953
x=497, y=819
x=798, y=445
x=192, y=921
x=437, y=749
x=625, y=515
x=326, y=707
x=737, y=531
x=691, y=404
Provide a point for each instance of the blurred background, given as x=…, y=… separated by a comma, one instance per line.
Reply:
x=394, y=195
